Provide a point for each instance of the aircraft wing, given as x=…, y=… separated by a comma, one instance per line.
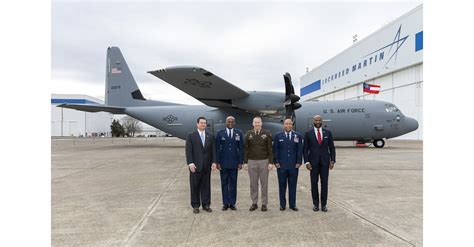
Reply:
x=201, y=84
x=94, y=108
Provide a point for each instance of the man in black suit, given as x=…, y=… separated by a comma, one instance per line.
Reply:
x=320, y=155
x=200, y=157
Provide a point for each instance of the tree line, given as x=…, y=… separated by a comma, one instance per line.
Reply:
x=127, y=128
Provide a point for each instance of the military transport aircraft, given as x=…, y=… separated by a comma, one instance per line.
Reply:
x=357, y=120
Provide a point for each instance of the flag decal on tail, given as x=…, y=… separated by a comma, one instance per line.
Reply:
x=371, y=88
x=116, y=70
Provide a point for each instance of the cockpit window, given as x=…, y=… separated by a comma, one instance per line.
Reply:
x=391, y=108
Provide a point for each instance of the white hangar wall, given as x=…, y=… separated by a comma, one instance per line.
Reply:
x=391, y=57
x=70, y=122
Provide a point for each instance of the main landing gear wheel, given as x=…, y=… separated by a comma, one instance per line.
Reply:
x=379, y=143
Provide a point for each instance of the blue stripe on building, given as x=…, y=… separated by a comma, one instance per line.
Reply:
x=315, y=86
x=73, y=101
x=419, y=41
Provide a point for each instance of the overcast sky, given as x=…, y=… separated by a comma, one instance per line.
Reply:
x=249, y=44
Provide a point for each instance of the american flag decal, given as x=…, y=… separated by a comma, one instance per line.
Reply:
x=116, y=70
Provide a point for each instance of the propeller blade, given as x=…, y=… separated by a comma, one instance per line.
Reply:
x=296, y=106
x=294, y=98
x=288, y=85
x=291, y=98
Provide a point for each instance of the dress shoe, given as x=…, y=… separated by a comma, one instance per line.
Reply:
x=315, y=208
x=324, y=209
x=282, y=208
x=232, y=207
x=207, y=209
x=196, y=210
x=253, y=207
x=294, y=208
x=264, y=207
x=225, y=207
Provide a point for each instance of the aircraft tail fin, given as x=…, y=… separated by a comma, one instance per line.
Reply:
x=120, y=87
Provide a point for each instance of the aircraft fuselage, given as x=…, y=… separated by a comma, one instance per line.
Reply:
x=359, y=120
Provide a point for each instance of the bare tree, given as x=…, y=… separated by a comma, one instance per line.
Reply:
x=131, y=125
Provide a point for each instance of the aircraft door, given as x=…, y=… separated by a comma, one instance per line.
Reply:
x=210, y=126
x=310, y=124
x=395, y=123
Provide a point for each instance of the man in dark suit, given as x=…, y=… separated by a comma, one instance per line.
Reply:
x=200, y=157
x=230, y=157
x=287, y=153
x=320, y=155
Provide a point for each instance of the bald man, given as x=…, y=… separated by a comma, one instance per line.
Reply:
x=230, y=157
x=287, y=156
x=320, y=155
x=258, y=159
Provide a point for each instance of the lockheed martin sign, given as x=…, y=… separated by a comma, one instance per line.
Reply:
x=395, y=46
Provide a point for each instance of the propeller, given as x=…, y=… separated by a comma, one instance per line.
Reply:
x=291, y=99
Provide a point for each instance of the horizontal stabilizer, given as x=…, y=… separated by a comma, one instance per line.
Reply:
x=94, y=108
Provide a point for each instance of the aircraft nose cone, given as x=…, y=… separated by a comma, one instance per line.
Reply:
x=411, y=124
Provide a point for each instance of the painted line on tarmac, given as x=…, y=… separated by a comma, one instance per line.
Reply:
x=109, y=162
x=151, y=209
x=370, y=222
x=361, y=217
x=82, y=170
x=190, y=229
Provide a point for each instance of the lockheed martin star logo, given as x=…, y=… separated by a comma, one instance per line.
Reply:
x=395, y=45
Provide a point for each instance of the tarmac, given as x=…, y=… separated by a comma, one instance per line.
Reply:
x=135, y=192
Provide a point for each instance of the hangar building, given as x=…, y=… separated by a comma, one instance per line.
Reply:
x=70, y=122
x=391, y=57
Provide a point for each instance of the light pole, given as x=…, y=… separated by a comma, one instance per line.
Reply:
x=62, y=121
x=85, y=124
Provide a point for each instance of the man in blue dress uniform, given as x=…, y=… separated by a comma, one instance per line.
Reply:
x=288, y=152
x=230, y=156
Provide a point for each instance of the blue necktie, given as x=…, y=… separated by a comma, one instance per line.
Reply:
x=202, y=138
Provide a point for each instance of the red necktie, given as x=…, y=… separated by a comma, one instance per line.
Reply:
x=319, y=137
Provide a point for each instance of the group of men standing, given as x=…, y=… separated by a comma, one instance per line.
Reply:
x=258, y=152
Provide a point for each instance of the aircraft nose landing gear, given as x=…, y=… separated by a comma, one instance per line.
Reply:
x=379, y=143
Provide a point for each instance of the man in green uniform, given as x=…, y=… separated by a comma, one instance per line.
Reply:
x=258, y=160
